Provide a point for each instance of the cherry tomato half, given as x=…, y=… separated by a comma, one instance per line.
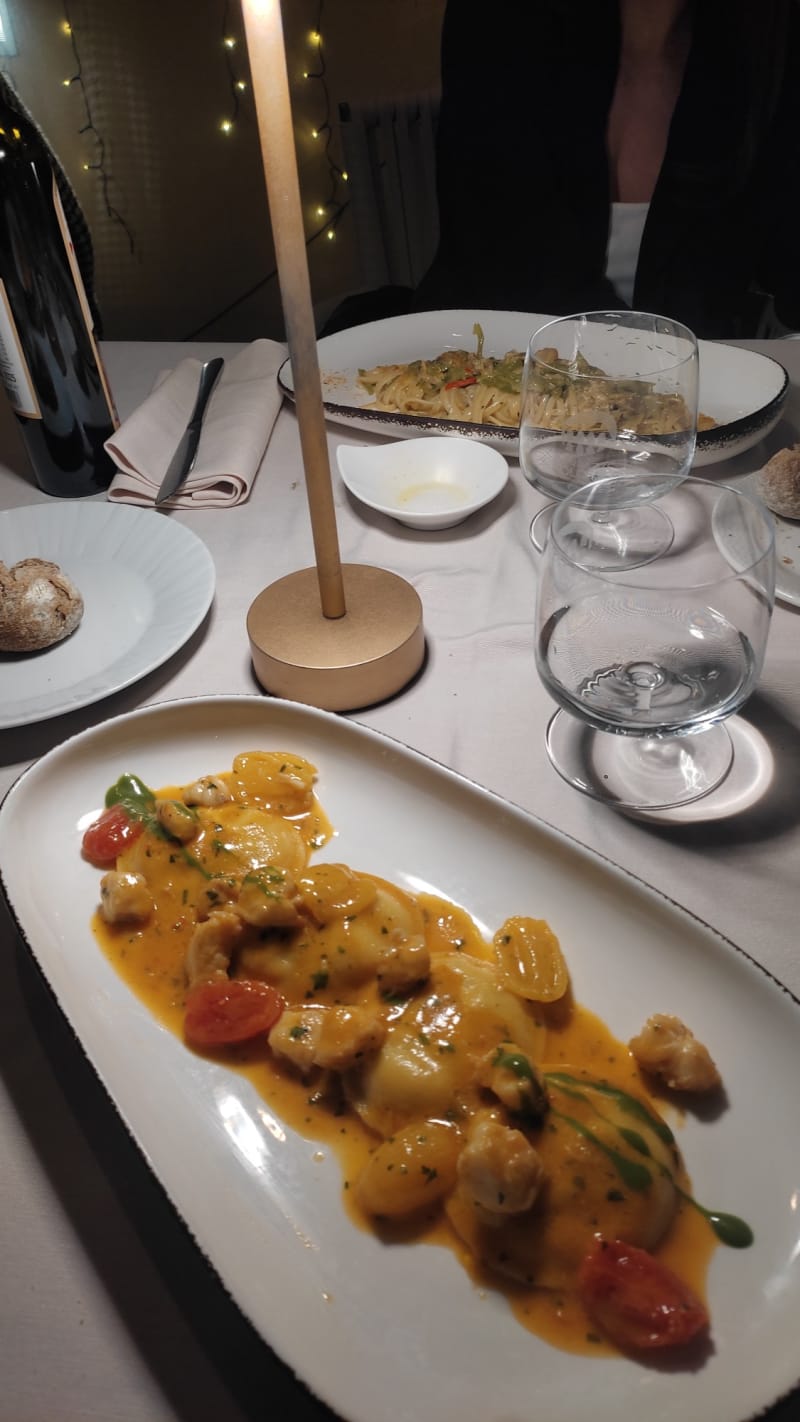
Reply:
x=230, y=1011
x=109, y=835
x=637, y=1301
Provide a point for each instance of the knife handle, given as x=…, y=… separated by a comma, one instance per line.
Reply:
x=209, y=376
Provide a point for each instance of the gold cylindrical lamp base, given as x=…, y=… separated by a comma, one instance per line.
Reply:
x=338, y=664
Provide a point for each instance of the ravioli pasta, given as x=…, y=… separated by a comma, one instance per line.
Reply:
x=458, y=1080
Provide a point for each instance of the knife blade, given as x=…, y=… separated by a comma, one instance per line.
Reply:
x=183, y=459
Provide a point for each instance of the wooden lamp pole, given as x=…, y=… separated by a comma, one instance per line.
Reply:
x=336, y=636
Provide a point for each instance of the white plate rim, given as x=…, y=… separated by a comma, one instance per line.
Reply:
x=712, y=445
x=175, y=562
x=729, y=1399
x=787, y=542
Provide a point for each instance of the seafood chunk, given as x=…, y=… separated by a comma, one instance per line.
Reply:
x=211, y=790
x=512, y=1077
x=125, y=898
x=334, y=1038
x=177, y=819
x=211, y=946
x=403, y=964
x=667, y=1048
x=498, y=1170
x=268, y=899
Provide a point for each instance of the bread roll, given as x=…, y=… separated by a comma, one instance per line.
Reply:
x=779, y=482
x=39, y=605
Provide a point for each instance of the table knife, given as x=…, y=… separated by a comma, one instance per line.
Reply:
x=183, y=459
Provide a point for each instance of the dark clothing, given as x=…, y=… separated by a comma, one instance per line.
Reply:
x=523, y=176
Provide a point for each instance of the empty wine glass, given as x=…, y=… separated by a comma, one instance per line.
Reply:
x=647, y=661
x=608, y=393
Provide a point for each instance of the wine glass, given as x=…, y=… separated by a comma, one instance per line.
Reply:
x=647, y=660
x=609, y=393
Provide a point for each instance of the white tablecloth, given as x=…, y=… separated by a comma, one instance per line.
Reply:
x=107, y=1310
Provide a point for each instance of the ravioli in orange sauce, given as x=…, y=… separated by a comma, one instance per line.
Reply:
x=472, y=1102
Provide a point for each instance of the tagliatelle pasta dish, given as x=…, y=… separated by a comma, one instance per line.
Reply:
x=562, y=394
x=456, y=385
x=471, y=1101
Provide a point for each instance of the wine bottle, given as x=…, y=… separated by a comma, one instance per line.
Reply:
x=50, y=364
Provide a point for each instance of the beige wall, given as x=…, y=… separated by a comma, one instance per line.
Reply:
x=156, y=77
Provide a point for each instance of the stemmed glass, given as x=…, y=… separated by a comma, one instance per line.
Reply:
x=647, y=660
x=610, y=393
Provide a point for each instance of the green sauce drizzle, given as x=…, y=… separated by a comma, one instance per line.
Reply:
x=635, y=1176
x=626, y=1103
x=730, y=1229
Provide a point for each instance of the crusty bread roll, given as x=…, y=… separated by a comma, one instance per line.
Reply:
x=779, y=482
x=39, y=605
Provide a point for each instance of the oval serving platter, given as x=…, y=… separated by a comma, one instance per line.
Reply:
x=396, y=1334
x=743, y=391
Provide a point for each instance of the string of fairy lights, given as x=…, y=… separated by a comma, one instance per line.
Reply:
x=98, y=163
x=323, y=210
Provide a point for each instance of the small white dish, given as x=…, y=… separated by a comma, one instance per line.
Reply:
x=433, y=482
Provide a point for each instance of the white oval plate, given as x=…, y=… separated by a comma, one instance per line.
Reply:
x=401, y=1334
x=744, y=392
x=146, y=582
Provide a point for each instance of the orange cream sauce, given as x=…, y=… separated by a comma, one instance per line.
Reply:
x=151, y=961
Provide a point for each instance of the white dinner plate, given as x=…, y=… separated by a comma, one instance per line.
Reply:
x=400, y=1333
x=146, y=582
x=787, y=544
x=744, y=392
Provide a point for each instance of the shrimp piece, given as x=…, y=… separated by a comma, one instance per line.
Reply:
x=211, y=946
x=125, y=898
x=498, y=1170
x=177, y=819
x=211, y=790
x=334, y=1038
x=669, y=1050
x=403, y=964
x=511, y=1076
x=268, y=899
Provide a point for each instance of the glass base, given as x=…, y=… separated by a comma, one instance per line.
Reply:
x=626, y=538
x=638, y=772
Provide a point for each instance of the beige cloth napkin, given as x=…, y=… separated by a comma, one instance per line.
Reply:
x=238, y=423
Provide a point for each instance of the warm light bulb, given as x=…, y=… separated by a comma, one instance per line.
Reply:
x=66, y=83
x=345, y=177
x=315, y=37
x=229, y=42
x=66, y=27
x=320, y=212
x=226, y=126
x=241, y=84
x=330, y=234
x=315, y=133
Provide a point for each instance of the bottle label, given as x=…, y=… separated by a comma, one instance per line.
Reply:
x=14, y=373
x=85, y=308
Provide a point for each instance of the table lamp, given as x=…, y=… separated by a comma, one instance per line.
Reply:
x=334, y=636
